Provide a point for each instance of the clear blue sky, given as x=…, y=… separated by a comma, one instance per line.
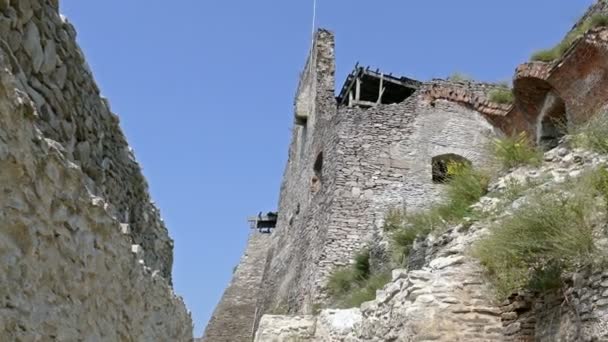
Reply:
x=204, y=90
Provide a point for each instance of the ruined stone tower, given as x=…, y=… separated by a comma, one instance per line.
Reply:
x=351, y=158
x=380, y=144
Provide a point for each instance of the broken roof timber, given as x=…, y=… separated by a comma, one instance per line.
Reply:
x=360, y=72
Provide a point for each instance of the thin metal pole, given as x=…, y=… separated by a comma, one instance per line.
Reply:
x=314, y=17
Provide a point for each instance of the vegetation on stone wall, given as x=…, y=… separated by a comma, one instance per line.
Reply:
x=465, y=187
x=351, y=286
x=513, y=151
x=551, y=233
x=501, y=96
x=549, y=55
x=593, y=134
x=459, y=77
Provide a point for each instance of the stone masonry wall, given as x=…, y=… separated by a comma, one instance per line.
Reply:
x=577, y=313
x=235, y=315
x=385, y=162
x=449, y=296
x=67, y=271
x=373, y=159
x=57, y=78
x=303, y=206
x=75, y=211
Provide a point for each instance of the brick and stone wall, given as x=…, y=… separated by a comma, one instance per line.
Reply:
x=84, y=252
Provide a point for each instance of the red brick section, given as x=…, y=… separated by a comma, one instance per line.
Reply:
x=579, y=80
x=472, y=95
x=581, y=77
x=467, y=97
x=530, y=87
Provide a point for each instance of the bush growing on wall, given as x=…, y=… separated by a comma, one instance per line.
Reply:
x=516, y=151
x=553, y=232
x=560, y=49
x=351, y=286
x=593, y=134
x=465, y=187
x=502, y=96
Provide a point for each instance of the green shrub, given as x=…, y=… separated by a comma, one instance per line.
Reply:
x=361, y=267
x=550, y=234
x=393, y=220
x=351, y=286
x=465, y=187
x=415, y=226
x=546, y=55
x=598, y=20
x=366, y=291
x=515, y=151
x=592, y=134
x=459, y=77
x=599, y=181
x=560, y=49
x=344, y=280
x=502, y=96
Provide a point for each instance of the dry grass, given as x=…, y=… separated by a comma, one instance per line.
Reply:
x=560, y=49
x=516, y=151
x=553, y=232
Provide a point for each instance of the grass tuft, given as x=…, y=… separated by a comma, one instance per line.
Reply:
x=593, y=134
x=560, y=49
x=550, y=234
x=502, y=96
x=516, y=151
x=459, y=77
x=351, y=286
x=366, y=291
x=465, y=187
x=546, y=55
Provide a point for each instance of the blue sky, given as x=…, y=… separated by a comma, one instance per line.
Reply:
x=204, y=90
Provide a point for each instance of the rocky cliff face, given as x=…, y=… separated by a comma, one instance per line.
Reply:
x=84, y=254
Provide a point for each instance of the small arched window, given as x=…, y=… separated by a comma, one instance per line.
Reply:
x=317, y=177
x=441, y=166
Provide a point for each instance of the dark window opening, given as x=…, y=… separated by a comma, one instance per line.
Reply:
x=441, y=166
x=317, y=178
x=554, y=123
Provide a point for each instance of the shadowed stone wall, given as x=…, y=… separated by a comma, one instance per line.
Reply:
x=84, y=254
x=72, y=112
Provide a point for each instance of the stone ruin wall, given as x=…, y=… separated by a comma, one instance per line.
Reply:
x=378, y=158
x=235, y=316
x=73, y=113
x=85, y=254
x=373, y=159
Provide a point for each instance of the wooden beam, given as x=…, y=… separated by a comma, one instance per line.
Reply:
x=380, y=89
x=358, y=89
x=365, y=104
